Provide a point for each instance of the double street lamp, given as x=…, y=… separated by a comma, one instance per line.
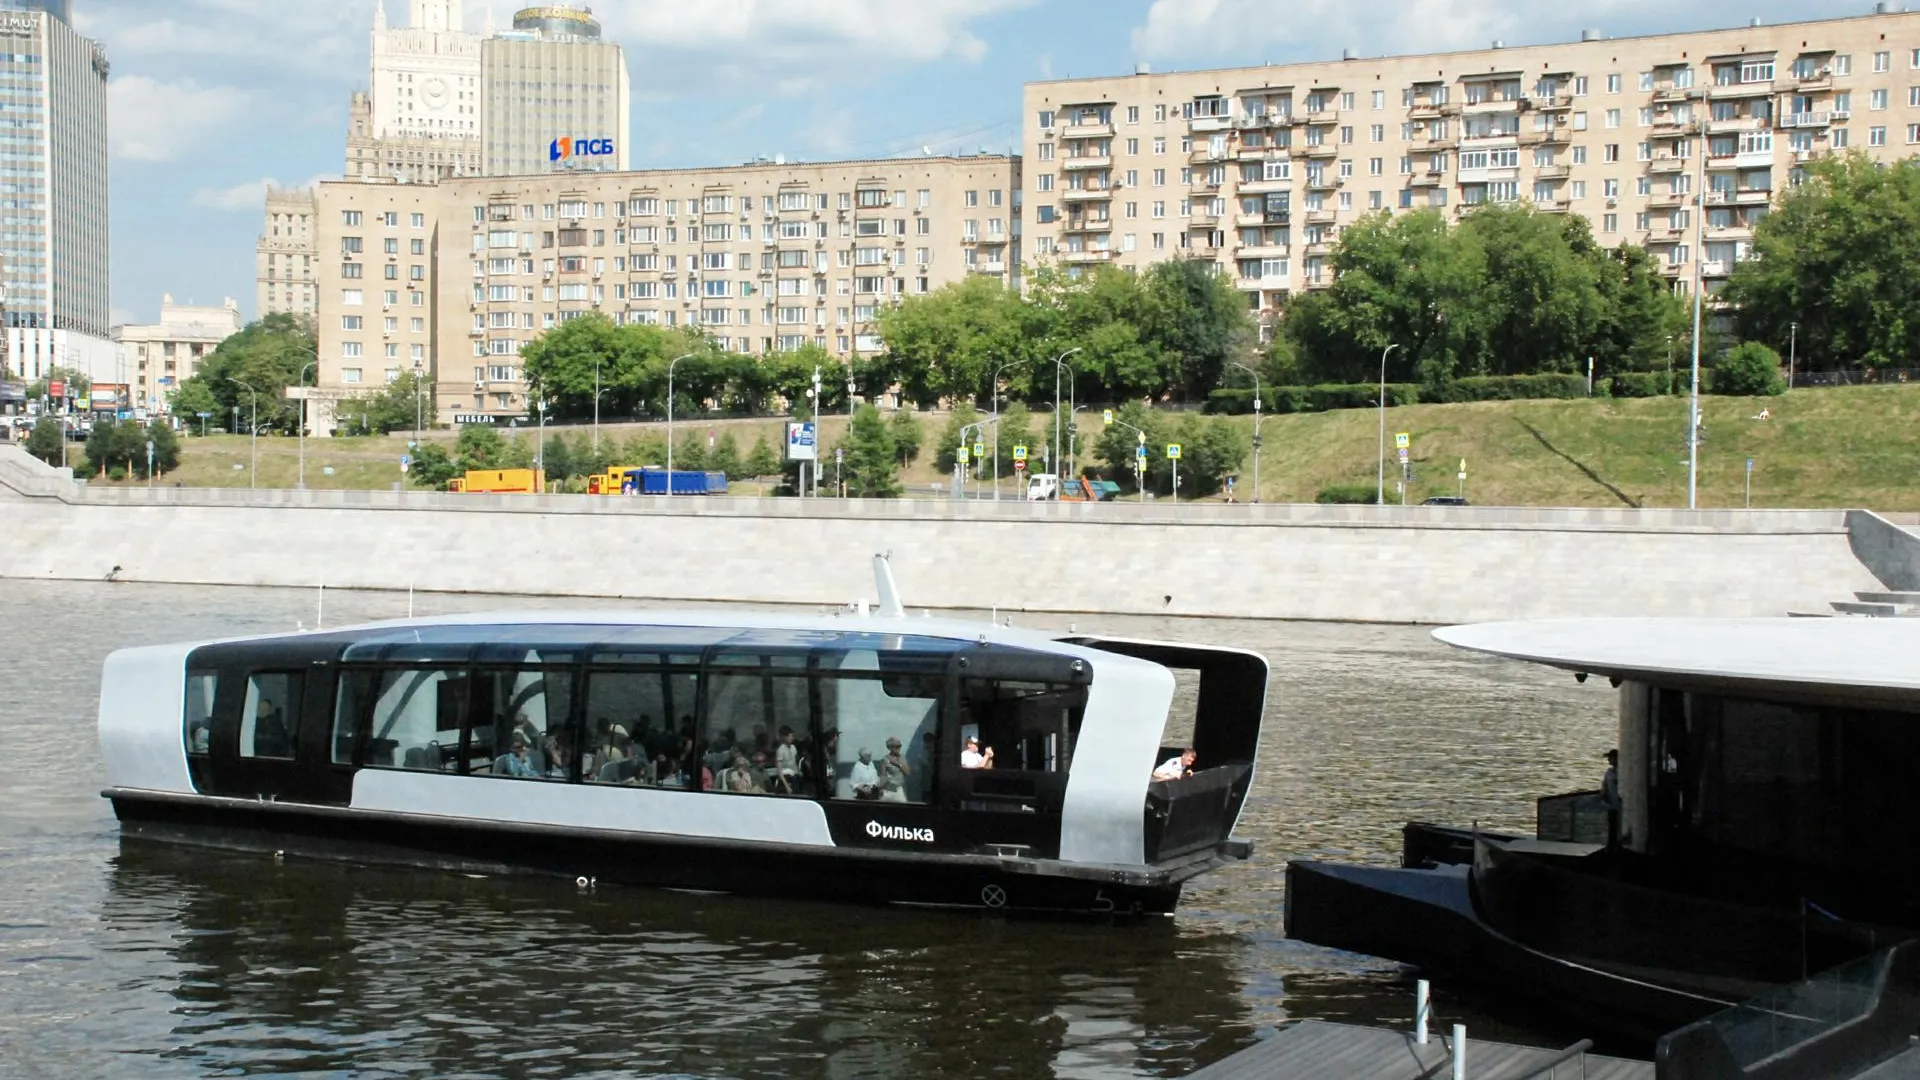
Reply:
x=1256, y=425
x=303, y=421
x=1060, y=366
x=995, y=390
x=253, y=474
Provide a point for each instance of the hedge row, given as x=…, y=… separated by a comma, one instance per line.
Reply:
x=1301, y=399
x=1296, y=399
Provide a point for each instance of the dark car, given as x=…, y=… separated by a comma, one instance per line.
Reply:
x=1444, y=500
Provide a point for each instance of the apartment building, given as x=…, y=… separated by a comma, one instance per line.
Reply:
x=558, y=97
x=1258, y=169
x=285, y=256
x=155, y=358
x=455, y=279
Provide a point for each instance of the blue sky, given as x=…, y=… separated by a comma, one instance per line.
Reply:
x=214, y=99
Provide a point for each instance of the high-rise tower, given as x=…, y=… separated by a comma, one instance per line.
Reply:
x=420, y=120
x=557, y=95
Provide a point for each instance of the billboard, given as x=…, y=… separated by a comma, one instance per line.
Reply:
x=568, y=148
x=802, y=442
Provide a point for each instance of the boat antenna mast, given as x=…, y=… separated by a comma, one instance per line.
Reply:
x=888, y=594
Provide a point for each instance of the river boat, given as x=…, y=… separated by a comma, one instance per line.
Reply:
x=816, y=756
x=1765, y=827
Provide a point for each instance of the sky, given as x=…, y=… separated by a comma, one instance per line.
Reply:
x=211, y=101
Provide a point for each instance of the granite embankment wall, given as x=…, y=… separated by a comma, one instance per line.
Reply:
x=1380, y=564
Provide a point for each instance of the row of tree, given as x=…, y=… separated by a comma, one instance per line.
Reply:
x=114, y=450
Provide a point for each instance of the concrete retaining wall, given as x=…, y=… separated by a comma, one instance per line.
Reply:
x=1428, y=565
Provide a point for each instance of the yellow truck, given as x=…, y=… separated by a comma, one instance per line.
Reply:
x=498, y=482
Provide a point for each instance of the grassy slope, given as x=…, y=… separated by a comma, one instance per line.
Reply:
x=1843, y=447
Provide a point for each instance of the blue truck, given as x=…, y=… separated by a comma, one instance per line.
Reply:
x=653, y=481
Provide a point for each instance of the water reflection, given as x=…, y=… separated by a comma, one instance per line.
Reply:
x=310, y=967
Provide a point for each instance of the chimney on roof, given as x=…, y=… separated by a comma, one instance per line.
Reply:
x=1589, y=35
x=1349, y=54
x=1143, y=68
x=1755, y=21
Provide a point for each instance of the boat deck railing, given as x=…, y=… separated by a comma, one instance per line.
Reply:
x=1829, y=1027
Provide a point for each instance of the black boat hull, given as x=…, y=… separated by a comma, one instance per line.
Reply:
x=1012, y=885
x=1427, y=918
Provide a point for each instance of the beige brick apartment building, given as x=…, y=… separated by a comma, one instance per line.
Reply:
x=1259, y=168
x=452, y=280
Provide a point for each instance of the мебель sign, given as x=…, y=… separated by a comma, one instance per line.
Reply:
x=566, y=148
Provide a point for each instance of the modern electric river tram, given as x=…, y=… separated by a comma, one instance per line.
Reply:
x=869, y=758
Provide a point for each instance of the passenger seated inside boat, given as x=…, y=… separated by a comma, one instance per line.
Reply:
x=865, y=777
x=1175, y=768
x=559, y=757
x=270, y=733
x=515, y=761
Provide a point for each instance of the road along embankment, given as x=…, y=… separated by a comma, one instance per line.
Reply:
x=1357, y=563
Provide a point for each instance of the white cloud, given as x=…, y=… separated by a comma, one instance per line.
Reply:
x=150, y=120
x=843, y=31
x=248, y=197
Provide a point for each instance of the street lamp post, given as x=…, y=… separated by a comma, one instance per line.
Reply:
x=816, y=431
x=1256, y=426
x=1060, y=366
x=1793, y=344
x=670, y=366
x=596, y=410
x=1380, y=494
x=995, y=405
x=253, y=396
x=540, y=457
x=1693, y=407
x=303, y=423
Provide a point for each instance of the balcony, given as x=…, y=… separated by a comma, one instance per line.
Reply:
x=1319, y=217
x=1729, y=91
x=1663, y=237
x=1072, y=195
x=1444, y=142
x=1263, y=251
x=1087, y=131
x=1552, y=102
x=1319, y=281
x=1671, y=270
x=1324, y=183
x=1315, y=117
x=1669, y=95
x=1752, y=196
x=1552, y=172
x=1263, y=187
x=1085, y=257
x=1716, y=269
x=1666, y=200
x=1203, y=184
x=1816, y=119
x=1552, y=206
x=1319, y=249
x=1542, y=138
x=996, y=267
x=1210, y=123
x=1424, y=110
x=1427, y=179
x=1488, y=176
x=1491, y=140
x=1261, y=121
x=1202, y=219
x=1104, y=161
x=1086, y=225
x=1248, y=221
x=1322, y=150
x=1667, y=163
x=1819, y=80
x=1729, y=232
x=1258, y=153
x=1496, y=105
x=1739, y=125
x=1202, y=155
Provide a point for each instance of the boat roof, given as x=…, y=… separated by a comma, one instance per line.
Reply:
x=1839, y=659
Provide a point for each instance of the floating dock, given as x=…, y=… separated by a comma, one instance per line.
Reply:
x=1318, y=1050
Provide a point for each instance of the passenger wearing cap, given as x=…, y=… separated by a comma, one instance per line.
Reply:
x=865, y=778
x=894, y=772
x=972, y=757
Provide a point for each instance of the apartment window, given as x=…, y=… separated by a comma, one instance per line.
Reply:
x=351, y=350
x=1579, y=86
x=1160, y=145
x=1346, y=100
x=1642, y=221
x=350, y=322
x=1159, y=113
x=1133, y=114
x=350, y=375
x=1646, y=80
x=1643, y=185
x=1046, y=118
x=1580, y=121
x=350, y=218
x=1877, y=100
x=1613, y=84
x=1610, y=152
x=419, y=221
x=1882, y=62
x=352, y=297
x=1876, y=136
x=1839, y=138
x=1646, y=118
x=1376, y=166
x=1613, y=118
x=1913, y=134
x=1159, y=178
x=350, y=271
x=1610, y=223
x=1579, y=155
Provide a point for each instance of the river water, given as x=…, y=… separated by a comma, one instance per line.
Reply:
x=150, y=960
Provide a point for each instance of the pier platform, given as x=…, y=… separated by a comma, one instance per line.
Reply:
x=1318, y=1050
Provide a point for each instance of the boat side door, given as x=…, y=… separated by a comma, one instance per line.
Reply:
x=272, y=733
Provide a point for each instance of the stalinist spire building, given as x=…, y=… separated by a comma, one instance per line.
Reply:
x=420, y=120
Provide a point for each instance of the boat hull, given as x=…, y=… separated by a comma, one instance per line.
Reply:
x=1009, y=884
x=1426, y=917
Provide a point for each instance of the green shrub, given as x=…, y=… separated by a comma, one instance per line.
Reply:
x=1631, y=384
x=1348, y=493
x=1749, y=369
x=1510, y=388
x=1276, y=400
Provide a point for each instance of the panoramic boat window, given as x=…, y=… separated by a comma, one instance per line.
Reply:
x=522, y=724
x=880, y=714
x=270, y=722
x=1029, y=726
x=758, y=726
x=416, y=719
x=202, y=686
x=349, y=708
x=633, y=712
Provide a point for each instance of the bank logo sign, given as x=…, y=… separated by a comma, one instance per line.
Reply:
x=567, y=148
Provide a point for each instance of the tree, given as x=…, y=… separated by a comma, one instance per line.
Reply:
x=946, y=453
x=946, y=344
x=116, y=448
x=1194, y=315
x=432, y=467
x=725, y=457
x=1748, y=369
x=48, y=441
x=398, y=406
x=907, y=436
x=268, y=356
x=1840, y=256
x=558, y=459
x=872, y=472
x=762, y=461
x=1016, y=429
x=690, y=453
x=76, y=383
x=192, y=398
x=479, y=446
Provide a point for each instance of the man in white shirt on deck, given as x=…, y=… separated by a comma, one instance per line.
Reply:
x=1174, y=768
x=865, y=777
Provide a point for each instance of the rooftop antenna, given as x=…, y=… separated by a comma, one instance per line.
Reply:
x=888, y=606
